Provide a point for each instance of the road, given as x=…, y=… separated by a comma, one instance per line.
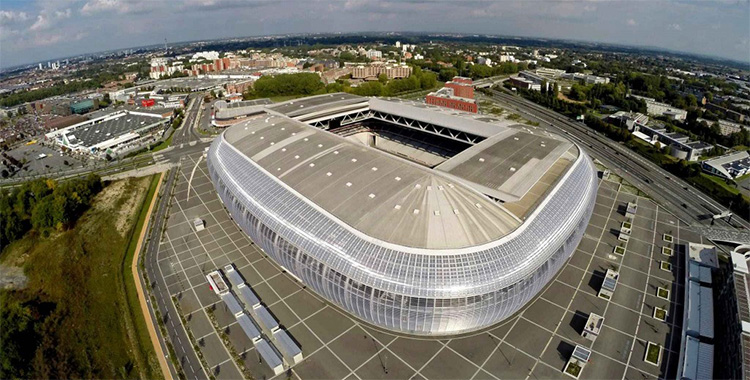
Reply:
x=177, y=335
x=186, y=133
x=688, y=203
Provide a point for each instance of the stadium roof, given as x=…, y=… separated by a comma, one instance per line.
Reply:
x=395, y=200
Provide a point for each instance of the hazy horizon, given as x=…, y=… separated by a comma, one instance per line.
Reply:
x=40, y=30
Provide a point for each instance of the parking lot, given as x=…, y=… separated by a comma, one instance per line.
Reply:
x=33, y=165
x=535, y=343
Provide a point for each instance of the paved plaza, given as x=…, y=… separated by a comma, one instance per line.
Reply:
x=535, y=343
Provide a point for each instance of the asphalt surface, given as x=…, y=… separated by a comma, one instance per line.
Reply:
x=186, y=133
x=688, y=203
x=187, y=358
x=184, y=142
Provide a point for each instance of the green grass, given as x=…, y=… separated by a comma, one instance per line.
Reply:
x=652, y=353
x=663, y=293
x=137, y=319
x=742, y=178
x=660, y=314
x=721, y=183
x=164, y=144
x=80, y=284
x=573, y=369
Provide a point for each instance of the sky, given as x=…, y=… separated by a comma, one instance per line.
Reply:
x=38, y=30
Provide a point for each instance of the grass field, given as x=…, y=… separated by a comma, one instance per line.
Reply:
x=86, y=317
x=164, y=144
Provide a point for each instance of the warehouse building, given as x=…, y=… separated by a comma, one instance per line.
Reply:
x=110, y=135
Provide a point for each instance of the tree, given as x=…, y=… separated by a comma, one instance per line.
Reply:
x=383, y=78
x=447, y=74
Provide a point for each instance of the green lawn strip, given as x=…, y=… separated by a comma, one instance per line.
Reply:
x=721, y=183
x=143, y=340
x=164, y=144
x=742, y=178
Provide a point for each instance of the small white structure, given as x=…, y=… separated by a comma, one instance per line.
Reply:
x=577, y=361
x=199, y=224
x=216, y=280
x=270, y=356
x=631, y=209
x=609, y=284
x=593, y=327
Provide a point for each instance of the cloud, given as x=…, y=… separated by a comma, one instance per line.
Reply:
x=8, y=17
x=33, y=31
x=44, y=22
x=98, y=6
x=63, y=14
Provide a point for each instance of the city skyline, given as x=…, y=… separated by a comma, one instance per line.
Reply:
x=46, y=30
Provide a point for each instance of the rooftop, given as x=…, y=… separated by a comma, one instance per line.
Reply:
x=398, y=201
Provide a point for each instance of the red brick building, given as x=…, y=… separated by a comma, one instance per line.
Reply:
x=457, y=94
x=461, y=89
x=468, y=105
x=463, y=80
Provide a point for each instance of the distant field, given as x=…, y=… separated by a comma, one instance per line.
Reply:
x=77, y=317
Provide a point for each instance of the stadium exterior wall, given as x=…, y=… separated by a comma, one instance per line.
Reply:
x=405, y=289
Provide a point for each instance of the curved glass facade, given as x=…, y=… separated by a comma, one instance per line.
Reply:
x=409, y=290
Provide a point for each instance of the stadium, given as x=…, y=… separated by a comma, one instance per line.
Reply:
x=418, y=219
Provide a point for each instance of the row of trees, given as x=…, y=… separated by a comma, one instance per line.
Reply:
x=285, y=85
x=475, y=71
x=44, y=204
x=309, y=84
x=607, y=93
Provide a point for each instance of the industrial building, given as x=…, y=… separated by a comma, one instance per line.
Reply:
x=655, y=108
x=110, y=135
x=415, y=218
x=729, y=166
x=680, y=145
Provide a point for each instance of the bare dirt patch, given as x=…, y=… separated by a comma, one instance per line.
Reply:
x=123, y=198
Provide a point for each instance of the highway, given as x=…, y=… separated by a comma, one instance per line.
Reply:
x=686, y=202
